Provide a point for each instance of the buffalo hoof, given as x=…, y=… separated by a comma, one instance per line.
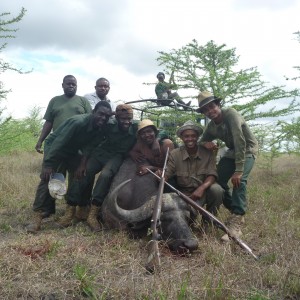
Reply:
x=183, y=246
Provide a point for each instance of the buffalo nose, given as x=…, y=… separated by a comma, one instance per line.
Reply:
x=191, y=244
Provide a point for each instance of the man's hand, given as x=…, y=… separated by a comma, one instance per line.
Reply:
x=46, y=174
x=38, y=147
x=80, y=172
x=142, y=170
x=137, y=157
x=81, y=169
x=236, y=179
x=198, y=193
x=210, y=146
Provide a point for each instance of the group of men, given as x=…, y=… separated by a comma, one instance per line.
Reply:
x=77, y=130
x=86, y=139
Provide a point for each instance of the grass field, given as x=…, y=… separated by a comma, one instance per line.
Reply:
x=76, y=264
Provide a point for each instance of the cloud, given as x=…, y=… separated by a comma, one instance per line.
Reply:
x=120, y=40
x=264, y=4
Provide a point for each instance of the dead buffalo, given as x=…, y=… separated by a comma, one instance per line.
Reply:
x=130, y=203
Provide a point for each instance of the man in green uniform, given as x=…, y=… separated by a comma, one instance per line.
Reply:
x=107, y=158
x=63, y=146
x=59, y=109
x=164, y=93
x=229, y=126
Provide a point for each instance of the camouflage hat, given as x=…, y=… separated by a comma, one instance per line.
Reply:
x=189, y=125
x=204, y=98
x=146, y=123
x=124, y=110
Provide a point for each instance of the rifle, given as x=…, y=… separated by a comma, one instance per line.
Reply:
x=206, y=213
x=153, y=260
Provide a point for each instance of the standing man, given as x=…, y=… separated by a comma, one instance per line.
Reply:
x=63, y=146
x=107, y=158
x=229, y=126
x=164, y=93
x=59, y=109
x=102, y=88
x=194, y=168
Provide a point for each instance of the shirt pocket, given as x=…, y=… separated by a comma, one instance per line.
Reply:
x=183, y=179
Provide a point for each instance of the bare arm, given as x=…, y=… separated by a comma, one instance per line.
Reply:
x=47, y=127
x=199, y=191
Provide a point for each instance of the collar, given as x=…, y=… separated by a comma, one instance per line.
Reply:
x=185, y=154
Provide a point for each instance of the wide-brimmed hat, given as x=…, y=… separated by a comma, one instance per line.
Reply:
x=160, y=73
x=189, y=125
x=204, y=98
x=57, y=186
x=145, y=123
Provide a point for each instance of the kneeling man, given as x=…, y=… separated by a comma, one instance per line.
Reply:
x=194, y=169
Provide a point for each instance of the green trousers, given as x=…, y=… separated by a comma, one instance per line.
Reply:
x=80, y=189
x=43, y=201
x=234, y=200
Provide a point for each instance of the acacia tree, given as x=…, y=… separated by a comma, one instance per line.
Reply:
x=295, y=67
x=8, y=33
x=215, y=68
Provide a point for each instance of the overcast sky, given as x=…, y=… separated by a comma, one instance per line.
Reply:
x=120, y=40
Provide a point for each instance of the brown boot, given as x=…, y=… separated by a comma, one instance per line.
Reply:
x=36, y=221
x=67, y=218
x=82, y=213
x=234, y=224
x=92, y=218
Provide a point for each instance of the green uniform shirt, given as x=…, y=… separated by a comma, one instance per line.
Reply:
x=117, y=141
x=71, y=136
x=236, y=135
x=60, y=108
x=163, y=87
x=184, y=167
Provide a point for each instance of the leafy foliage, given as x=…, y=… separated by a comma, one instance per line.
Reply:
x=8, y=33
x=15, y=135
x=20, y=135
x=214, y=67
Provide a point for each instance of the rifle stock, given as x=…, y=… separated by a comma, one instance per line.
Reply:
x=153, y=259
x=206, y=213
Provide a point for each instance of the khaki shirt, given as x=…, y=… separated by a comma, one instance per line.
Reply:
x=184, y=167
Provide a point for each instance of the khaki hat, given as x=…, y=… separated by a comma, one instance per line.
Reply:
x=57, y=186
x=204, y=98
x=189, y=125
x=145, y=123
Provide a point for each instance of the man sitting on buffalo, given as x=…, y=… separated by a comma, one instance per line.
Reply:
x=195, y=169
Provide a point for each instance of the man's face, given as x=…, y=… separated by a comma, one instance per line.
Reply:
x=189, y=138
x=69, y=86
x=124, y=122
x=147, y=135
x=160, y=77
x=102, y=88
x=101, y=116
x=211, y=110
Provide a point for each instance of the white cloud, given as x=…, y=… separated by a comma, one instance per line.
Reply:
x=120, y=40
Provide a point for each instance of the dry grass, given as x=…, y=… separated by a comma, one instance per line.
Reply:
x=77, y=264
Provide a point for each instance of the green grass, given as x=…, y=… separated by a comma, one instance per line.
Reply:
x=75, y=263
